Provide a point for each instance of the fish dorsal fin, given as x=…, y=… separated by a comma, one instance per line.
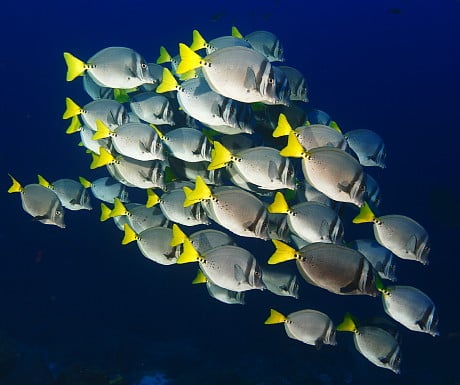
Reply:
x=168, y=82
x=220, y=156
x=72, y=109
x=411, y=244
x=365, y=214
x=250, y=82
x=200, y=193
x=152, y=198
x=189, y=254
x=178, y=237
x=279, y=205
x=42, y=181
x=15, y=186
x=283, y=128
x=198, y=41
x=348, y=324
x=283, y=253
x=105, y=212
x=164, y=57
x=239, y=274
x=293, y=149
x=103, y=159
x=199, y=278
x=189, y=59
x=130, y=235
x=74, y=126
x=85, y=182
x=119, y=208
x=75, y=67
x=236, y=33
x=275, y=317
x=102, y=130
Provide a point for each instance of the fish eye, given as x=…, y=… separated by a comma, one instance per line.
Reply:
x=144, y=66
x=58, y=213
x=271, y=80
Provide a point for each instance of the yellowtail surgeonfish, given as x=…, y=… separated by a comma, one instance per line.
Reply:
x=106, y=189
x=221, y=294
x=265, y=42
x=230, y=267
x=238, y=73
x=152, y=108
x=220, y=42
x=114, y=67
x=368, y=147
x=405, y=237
x=40, y=202
x=297, y=83
x=279, y=282
x=309, y=326
x=376, y=344
x=335, y=268
x=203, y=240
x=410, y=307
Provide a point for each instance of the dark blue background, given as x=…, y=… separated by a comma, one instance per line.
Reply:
x=390, y=66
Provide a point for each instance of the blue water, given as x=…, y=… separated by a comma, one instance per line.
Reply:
x=76, y=299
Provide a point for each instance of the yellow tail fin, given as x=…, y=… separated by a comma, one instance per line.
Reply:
x=192, y=74
x=283, y=128
x=178, y=237
x=348, y=324
x=333, y=124
x=164, y=57
x=85, y=182
x=158, y=132
x=130, y=235
x=75, y=67
x=220, y=156
x=168, y=82
x=74, y=126
x=105, y=212
x=198, y=41
x=189, y=59
x=152, y=198
x=236, y=33
x=365, y=214
x=275, y=317
x=15, y=187
x=293, y=149
x=102, y=130
x=200, y=193
x=119, y=208
x=189, y=254
x=200, y=278
x=42, y=181
x=279, y=205
x=283, y=253
x=103, y=159
x=71, y=109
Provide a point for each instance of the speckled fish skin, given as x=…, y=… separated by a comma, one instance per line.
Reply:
x=412, y=308
x=188, y=144
x=310, y=327
x=172, y=206
x=379, y=347
x=405, y=237
x=110, y=112
x=154, y=244
x=205, y=240
x=119, y=67
x=337, y=269
x=152, y=108
x=225, y=41
x=107, y=189
x=141, y=218
x=319, y=135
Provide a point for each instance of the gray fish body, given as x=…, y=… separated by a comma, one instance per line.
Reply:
x=110, y=112
x=266, y=168
x=72, y=194
x=224, y=42
x=172, y=206
x=238, y=211
x=319, y=135
x=379, y=347
x=152, y=108
x=310, y=327
x=406, y=238
x=336, y=174
x=224, y=295
x=154, y=244
x=43, y=204
x=199, y=101
x=121, y=220
x=138, y=141
x=237, y=180
x=94, y=90
x=315, y=222
x=86, y=136
x=188, y=144
x=242, y=74
x=156, y=72
x=232, y=268
x=106, y=189
x=373, y=194
x=368, y=146
x=205, y=240
x=119, y=67
x=281, y=283
x=141, y=218
x=267, y=44
x=297, y=83
x=411, y=308
x=337, y=269
x=190, y=170
x=380, y=257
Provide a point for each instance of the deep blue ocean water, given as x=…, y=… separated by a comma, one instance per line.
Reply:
x=76, y=299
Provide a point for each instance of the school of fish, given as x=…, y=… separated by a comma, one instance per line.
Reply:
x=222, y=137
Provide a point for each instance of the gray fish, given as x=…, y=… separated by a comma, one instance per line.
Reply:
x=264, y=42
x=220, y=42
x=106, y=189
x=335, y=268
x=114, y=67
x=281, y=283
x=189, y=171
x=221, y=294
x=373, y=194
x=368, y=146
x=297, y=83
x=152, y=108
x=308, y=326
x=72, y=194
x=40, y=202
x=95, y=91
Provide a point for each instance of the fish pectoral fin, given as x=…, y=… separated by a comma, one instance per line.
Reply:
x=411, y=245
x=250, y=80
x=346, y=188
x=239, y=274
